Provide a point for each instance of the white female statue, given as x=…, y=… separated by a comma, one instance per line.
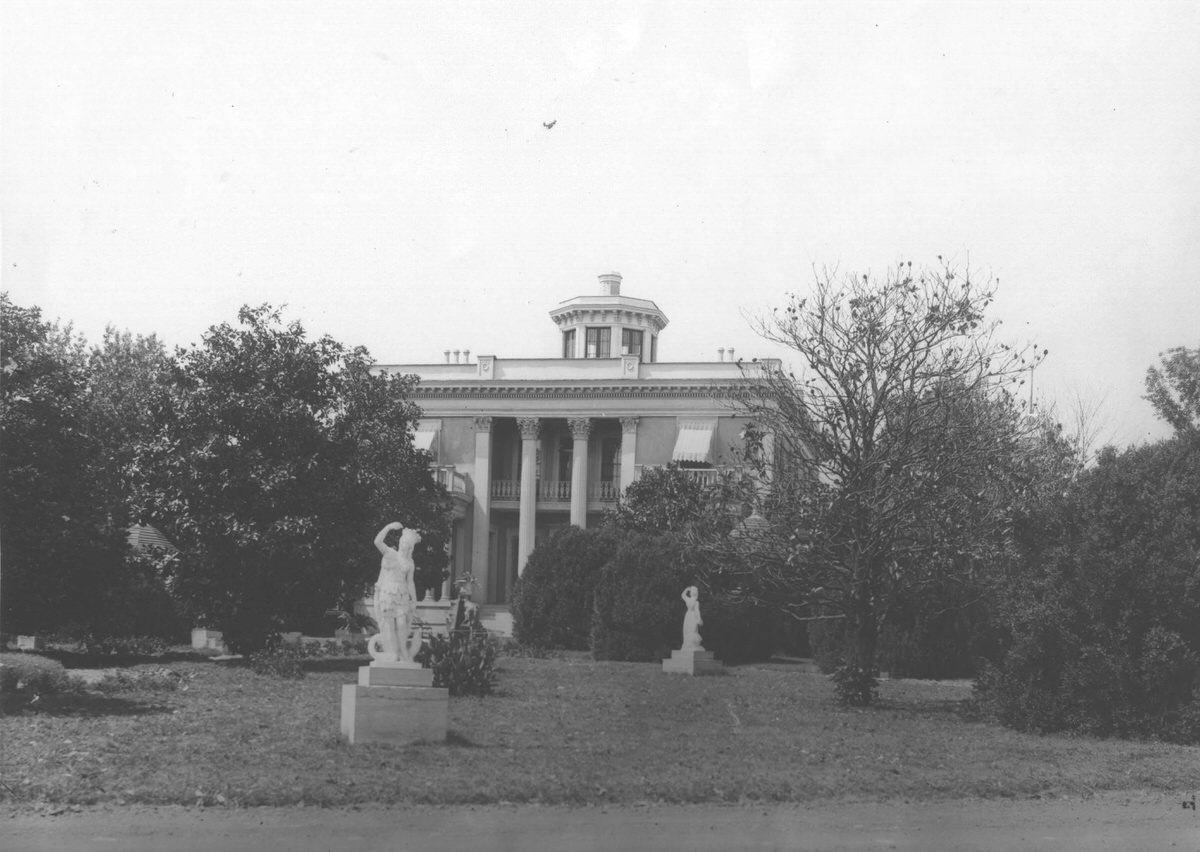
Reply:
x=692, y=620
x=399, y=638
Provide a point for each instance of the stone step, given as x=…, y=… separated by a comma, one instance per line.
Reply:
x=496, y=619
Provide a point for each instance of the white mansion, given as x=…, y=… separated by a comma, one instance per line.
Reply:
x=528, y=446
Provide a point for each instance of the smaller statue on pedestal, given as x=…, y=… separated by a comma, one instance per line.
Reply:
x=399, y=637
x=692, y=620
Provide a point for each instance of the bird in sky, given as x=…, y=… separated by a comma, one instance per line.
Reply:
x=549, y=125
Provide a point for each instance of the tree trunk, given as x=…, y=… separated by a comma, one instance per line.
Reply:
x=856, y=681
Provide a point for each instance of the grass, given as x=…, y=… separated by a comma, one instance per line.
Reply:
x=561, y=730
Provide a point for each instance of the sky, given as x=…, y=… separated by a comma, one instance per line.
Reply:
x=384, y=169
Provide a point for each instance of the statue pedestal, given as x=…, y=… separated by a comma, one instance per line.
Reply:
x=394, y=702
x=693, y=661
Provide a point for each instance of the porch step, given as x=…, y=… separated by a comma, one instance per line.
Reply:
x=497, y=619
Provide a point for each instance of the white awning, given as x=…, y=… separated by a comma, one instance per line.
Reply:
x=423, y=439
x=694, y=441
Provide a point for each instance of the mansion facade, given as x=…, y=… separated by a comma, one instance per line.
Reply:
x=529, y=446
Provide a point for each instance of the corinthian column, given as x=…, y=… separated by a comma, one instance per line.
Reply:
x=527, y=524
x=481, y=504
x=581, y=427
x=629, y=427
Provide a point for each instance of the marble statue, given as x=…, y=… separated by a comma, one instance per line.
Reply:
x=399, y=637
x=692, y=620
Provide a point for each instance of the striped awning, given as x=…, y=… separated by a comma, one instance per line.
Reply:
x=693, y=443
x=423, y=439
x=144, y=537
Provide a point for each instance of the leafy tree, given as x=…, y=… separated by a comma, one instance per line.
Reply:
x=669, y=499
x=275, y=461
x=1101, y=614
x=662, y=499
x=1102, y=619
x=128, y=378
x=63, y=538
x=1174, y=390
x=898, y=449
x=669, y=504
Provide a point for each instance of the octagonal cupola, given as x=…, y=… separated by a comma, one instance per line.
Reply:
x=609, y=325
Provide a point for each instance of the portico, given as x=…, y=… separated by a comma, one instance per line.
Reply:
x=540, y=444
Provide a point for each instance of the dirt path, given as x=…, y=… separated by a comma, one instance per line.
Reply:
x=1116, y=822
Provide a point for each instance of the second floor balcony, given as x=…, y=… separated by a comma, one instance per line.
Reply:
x=552, y=492
x=448, y=476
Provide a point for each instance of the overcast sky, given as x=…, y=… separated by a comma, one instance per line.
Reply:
x=384, y=168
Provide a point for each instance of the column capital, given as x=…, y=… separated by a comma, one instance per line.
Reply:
x=581, y=427
x=629, y=424
x=530, y=427
x=482, y=424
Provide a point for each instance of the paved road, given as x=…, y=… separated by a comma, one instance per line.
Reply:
x=1116, y=822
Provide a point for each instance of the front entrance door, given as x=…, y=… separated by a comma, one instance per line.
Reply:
x=503, y=554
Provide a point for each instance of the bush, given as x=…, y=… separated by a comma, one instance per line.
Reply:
x=278, y=659
x=638, y=612
x=134, y=601
x=1102, y=619
x=122, y=646
x=26, y=678
x=741, y=634
x=941, y=636
x=332, y=648
x=463, y=662
x=131, y=680
x=553, y=599
x=855, y=685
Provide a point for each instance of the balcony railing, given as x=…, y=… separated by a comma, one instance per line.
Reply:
x=554, y=491
x=447, y=476
x=506, y=489
x=604, y=492
x=704, y=475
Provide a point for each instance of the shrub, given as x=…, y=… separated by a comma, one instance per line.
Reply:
x=278, y=659
x=553, y=600
x=1102, y=619
x=130, y=680
x=738, y=634
x=855, y=685
x=122, y=646
x=638, y=613
x=134, y=601
x=26, y=678
x=332, y=648
x=941, y=636
x=463, y=662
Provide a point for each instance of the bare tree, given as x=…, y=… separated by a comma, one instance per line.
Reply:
x=896, y=451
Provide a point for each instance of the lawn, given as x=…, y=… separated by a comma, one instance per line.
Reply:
x=562, y=730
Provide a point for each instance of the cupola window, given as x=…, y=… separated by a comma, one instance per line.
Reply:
x=631, y=342
x=598, y=342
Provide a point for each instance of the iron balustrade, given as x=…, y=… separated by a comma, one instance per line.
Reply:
x=447, y=476
x=553, y=490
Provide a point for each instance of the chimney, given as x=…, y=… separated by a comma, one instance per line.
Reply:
x=720, y=353
x=447, y=356
x=466, y=356
x=730, y=353
x=610, y=284
x=456, y=353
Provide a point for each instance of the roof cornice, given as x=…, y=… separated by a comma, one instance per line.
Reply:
x=574, y=390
